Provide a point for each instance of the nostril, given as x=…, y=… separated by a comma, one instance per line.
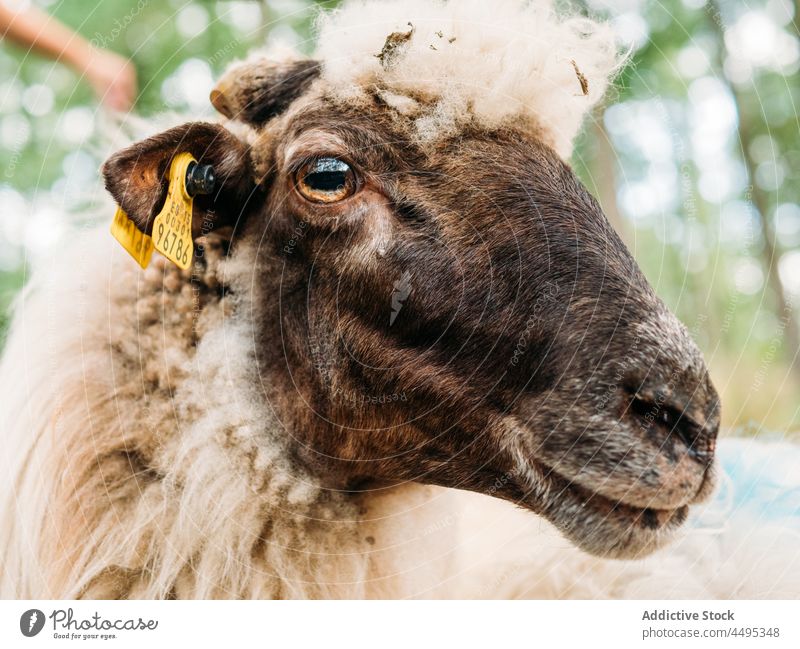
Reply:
x=655, y=412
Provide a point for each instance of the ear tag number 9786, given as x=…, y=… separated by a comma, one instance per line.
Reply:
x=172, y=228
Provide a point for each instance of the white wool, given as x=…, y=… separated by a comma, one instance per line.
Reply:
x=99, y=361
x=73, y=395
x=509, y=554
x=490, y=61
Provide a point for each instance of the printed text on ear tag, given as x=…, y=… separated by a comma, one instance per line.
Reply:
x=136, y=242
x=172, y=228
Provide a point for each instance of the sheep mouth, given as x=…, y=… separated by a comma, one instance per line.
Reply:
x=605, y=526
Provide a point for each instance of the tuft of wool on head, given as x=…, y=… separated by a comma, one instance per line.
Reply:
x=492, y=62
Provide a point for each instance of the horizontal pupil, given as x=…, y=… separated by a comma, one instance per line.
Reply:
x=326, y=181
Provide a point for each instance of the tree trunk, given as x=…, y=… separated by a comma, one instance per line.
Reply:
x=761, y=201
x=604, y=176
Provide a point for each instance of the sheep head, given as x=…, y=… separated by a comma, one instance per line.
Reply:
x=451, y=309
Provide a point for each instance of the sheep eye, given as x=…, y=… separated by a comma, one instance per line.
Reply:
x=325, y=180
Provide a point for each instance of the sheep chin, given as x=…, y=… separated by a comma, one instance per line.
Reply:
x=608, y=528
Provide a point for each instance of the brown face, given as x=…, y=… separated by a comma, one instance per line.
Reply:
x=459, y=313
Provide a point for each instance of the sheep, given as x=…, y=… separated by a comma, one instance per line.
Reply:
x=325, y=404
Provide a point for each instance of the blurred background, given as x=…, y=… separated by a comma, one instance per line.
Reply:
x=695, y=156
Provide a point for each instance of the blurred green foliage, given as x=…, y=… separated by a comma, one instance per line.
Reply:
x=710, y=95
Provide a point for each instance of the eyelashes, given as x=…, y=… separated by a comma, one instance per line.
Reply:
x=325, y=180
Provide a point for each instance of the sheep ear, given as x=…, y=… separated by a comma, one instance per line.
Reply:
x=137, y=177
x=256, y=91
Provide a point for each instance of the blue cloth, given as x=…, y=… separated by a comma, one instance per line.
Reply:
x=758, y=477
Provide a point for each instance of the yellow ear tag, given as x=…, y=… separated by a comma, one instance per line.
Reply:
x=172, y=228
x=137, y=243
